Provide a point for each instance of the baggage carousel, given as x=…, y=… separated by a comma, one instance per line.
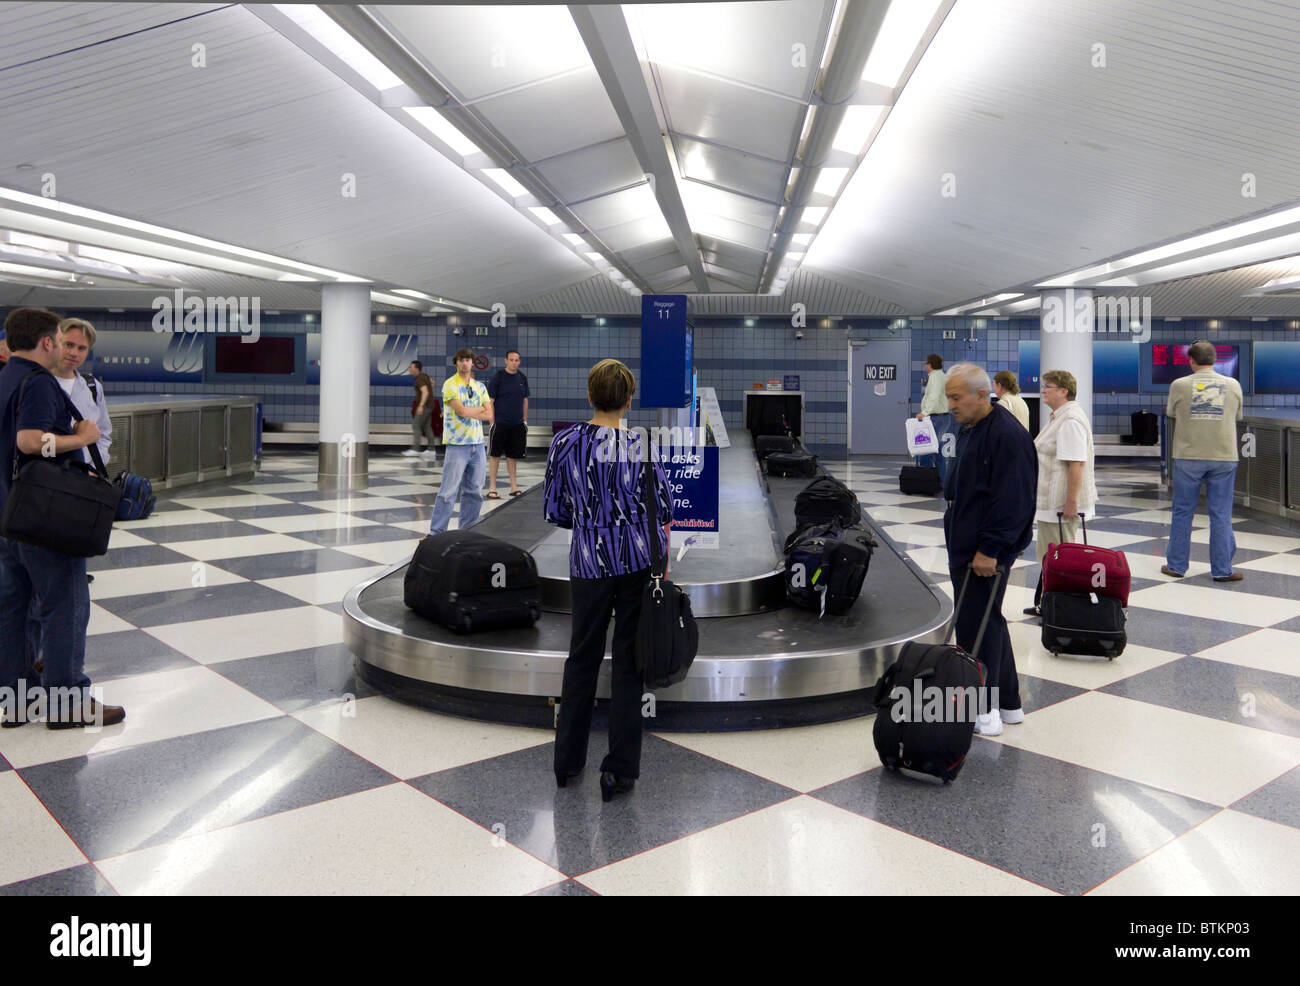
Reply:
x=761, y=664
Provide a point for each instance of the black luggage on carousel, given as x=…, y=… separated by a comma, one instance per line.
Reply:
x=1083, y=623
x=919, y=480
x=1146, y=428
x=825, y=566
x=902, y=734
x=468, y=581
x=826, y=499
x=765, y=445
x=796, y=463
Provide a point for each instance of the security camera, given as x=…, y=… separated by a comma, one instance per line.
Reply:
x=798, y=333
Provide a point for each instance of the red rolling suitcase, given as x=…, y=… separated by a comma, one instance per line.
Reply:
x=1085, y=568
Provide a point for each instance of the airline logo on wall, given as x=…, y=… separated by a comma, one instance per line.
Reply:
x=390, y=355
x=148, y=357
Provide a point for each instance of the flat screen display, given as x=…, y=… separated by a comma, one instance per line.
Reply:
x=270, y=354
x=1169, y=362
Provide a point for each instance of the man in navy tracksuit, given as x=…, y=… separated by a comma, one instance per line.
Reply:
x=990, y=487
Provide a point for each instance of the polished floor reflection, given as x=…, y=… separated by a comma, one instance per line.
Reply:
x=253, y=761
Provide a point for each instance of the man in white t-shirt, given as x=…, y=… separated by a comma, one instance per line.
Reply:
x=1067, y=487
x=76, y=339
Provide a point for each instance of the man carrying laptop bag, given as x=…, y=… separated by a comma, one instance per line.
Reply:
x=51, y=584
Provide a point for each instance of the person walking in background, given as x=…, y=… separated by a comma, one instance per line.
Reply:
x=989, y=521
x=1007, y=389
x=594, y=486
x=1066, y=482
x=508, y=389
x=421, y=412
x=935, y=407
x=1205, y=407
x=465, y=408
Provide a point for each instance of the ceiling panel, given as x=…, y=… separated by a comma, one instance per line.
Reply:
x=618, y=208
x=736, y=170
x=741, y=118
x=31, y=31
x=479, y=50
x=575, y=107
x=592, y=171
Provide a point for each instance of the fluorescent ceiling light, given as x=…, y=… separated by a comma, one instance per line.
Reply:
x=896, y=42
x=506, y=181
x=115, y=256
x=596, y=258
x=443, y=129
x=830, y=181
x=803, y=239
x=39, y=242
x=316, y=23
x=575, y=239
x=544, y=214
x=813, y=214
x=856, y=127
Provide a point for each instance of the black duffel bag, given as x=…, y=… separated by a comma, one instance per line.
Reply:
x=826, y=499
x=469, y=582
x=666, y=635
x=825, y=566
x=60, y=504
x=796, y=463
x=765, y=445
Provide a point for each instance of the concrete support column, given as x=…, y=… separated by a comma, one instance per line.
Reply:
x=1067, y=325
x=344, y=384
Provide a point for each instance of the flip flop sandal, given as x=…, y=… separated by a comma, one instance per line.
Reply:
x=493, y=495
x=517, y=493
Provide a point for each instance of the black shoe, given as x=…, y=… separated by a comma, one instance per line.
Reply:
x=612, y=784
x=562, y=776
x=89, y=577
x=1033, y=611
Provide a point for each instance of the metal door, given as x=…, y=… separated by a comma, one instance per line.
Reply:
x=880, y=386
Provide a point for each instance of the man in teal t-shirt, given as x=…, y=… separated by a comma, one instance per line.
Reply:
x=465, y=406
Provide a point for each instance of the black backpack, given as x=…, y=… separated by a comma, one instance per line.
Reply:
x=924, y=730
x=826, y=499
x=468, y=581
x=825, y=566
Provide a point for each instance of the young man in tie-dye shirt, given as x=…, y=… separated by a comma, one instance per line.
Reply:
x=465, y=407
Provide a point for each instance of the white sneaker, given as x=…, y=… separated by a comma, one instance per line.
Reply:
x=989, y=724
x=1012, y=717
x=409, y=452
x=428, y=454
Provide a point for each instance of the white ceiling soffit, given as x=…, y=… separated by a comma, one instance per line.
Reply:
x=597, y=295
x=254, y=148
x=1050, y=163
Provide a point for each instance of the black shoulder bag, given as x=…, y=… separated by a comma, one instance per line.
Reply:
x=666, y=637
x=60, y=504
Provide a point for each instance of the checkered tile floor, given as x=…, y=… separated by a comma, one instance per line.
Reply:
x=253, y=761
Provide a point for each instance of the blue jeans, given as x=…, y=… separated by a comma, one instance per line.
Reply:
x=942, y=424
x=464, y=469
x=1218, y=478
x=47, y=587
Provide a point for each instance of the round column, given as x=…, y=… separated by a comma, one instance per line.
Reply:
x=344, y=384
x=1067, y=323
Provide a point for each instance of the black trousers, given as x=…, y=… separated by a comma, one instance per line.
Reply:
x=594, y=600
x=995, y=649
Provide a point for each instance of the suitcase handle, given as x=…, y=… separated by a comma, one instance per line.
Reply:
x=1060, y=518
x=988, y=609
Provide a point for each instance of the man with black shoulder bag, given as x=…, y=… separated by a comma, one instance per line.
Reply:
x=37, y=581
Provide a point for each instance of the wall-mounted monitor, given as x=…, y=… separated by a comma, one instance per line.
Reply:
x=269, y=354
x=1277, y=368
x=1169, y=362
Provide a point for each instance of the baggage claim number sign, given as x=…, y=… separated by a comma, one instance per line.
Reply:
x=879, y=371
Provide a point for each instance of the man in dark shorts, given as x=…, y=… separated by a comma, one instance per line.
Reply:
x=508, y=390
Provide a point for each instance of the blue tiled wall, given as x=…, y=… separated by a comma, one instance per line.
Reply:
x=730, y=356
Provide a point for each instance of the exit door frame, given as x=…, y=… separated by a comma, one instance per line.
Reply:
x=848, y=428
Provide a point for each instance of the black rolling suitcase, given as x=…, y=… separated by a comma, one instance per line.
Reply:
x=468, y=581
x=919, y=480
x=825, y=566
x=826, y=499
x=797, y=463
x=1146, y=428
x=1083, y=623
x=765, y=445
x=901, y=733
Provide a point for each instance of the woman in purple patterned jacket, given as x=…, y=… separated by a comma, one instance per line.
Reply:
x=594, y=487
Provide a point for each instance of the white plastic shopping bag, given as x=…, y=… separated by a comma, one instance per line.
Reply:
x=921, y=439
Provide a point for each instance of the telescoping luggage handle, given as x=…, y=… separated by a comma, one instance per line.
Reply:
x=1060, y=528
x=998, y=572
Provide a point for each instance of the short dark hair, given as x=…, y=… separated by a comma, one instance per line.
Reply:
x=26, y=327
x=610, y=385
x=1201, y=353
x=462, y=354
x=935, y=361
x=516, y=352
x=417, y=364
